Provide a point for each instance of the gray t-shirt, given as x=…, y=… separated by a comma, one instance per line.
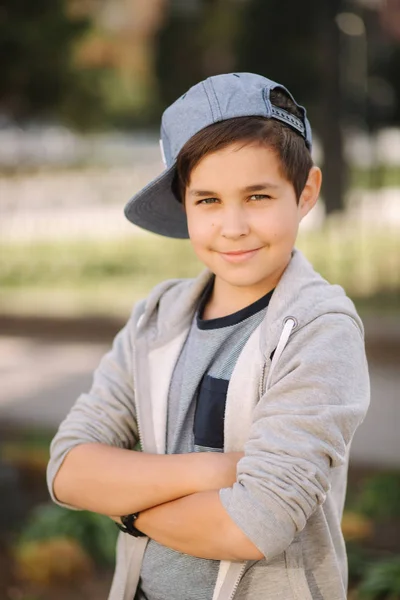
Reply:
x=196, y=407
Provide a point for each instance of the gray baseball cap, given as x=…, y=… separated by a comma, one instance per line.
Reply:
x=218, y=98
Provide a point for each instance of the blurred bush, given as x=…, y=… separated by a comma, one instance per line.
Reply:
x=379, y=497
x=39, y=77
x=371, y=527
x=52, y=561
x=356, y=526
x=382, y=581
x=95, y=534
x=110, y=275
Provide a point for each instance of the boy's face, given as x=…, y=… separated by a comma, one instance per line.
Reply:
x=243, y=216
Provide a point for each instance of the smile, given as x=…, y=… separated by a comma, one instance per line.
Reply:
x=239, y=255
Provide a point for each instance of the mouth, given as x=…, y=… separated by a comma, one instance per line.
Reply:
x=239, y=255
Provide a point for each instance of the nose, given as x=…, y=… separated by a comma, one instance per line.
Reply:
x=234, y=223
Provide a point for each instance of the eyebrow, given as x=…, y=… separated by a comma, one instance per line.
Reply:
x=258, y=187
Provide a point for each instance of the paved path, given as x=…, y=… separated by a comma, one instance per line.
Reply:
x=41, y=379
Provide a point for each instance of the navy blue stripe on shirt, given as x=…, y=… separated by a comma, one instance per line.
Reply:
x=208, y=426
x=232, y=319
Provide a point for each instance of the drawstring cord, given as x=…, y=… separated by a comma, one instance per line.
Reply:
x=290, y=323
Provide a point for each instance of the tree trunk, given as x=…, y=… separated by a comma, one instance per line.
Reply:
x=330, y=120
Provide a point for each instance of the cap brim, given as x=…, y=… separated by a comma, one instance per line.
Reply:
x=156, y=209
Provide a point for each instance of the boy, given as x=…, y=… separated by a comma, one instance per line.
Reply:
x=244, y=386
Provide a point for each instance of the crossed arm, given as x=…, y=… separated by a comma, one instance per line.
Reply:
x=198, y=525
x=177, y=496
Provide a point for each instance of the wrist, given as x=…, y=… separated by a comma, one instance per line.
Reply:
x=129, y=525
x=140, y=520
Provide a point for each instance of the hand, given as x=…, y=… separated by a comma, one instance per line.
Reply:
x=117, y=520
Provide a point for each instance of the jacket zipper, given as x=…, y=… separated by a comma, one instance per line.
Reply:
x=262, y=379
x=140, y=439
x=239, y=577
x=289, y=324
x=136, y=394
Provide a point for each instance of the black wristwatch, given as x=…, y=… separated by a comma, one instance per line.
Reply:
x=128, y=525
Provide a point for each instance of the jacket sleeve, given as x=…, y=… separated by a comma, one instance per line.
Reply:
x=106, y=414
x=301, y=431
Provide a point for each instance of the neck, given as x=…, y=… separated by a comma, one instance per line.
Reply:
x=227, y=299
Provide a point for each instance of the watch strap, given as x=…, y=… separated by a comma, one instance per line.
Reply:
x=128, y=525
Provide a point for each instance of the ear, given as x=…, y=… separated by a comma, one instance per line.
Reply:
x=310, y=193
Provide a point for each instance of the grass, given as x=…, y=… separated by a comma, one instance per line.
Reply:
x=88, y=277
x=378, y=177
x=107, y=277
x=363, y=259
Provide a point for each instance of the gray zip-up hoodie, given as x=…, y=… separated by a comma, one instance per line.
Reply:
x=298, y=392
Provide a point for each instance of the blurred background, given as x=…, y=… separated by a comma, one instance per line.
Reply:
x=82, y=88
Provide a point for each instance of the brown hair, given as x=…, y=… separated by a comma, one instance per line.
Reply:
x=289, y=146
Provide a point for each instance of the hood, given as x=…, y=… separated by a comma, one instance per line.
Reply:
x=303, y=295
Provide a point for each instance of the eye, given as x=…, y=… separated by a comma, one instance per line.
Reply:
x=259, y=197
x=207, y=201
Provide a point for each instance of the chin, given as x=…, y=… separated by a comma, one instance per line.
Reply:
x=242, y=281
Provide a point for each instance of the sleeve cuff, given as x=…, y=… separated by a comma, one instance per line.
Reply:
x=268, y=527
x=52, y=470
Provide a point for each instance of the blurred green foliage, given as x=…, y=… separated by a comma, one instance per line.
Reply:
x=115, y=273
x=358, y=562
x=38, y=75
x=376, y=575
x=379, y=497
x=95, y=533
x=140, y=258
x=282, y=39
x=29, y=439
x=372, y=577
x=377, y=177
x=382, y=581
